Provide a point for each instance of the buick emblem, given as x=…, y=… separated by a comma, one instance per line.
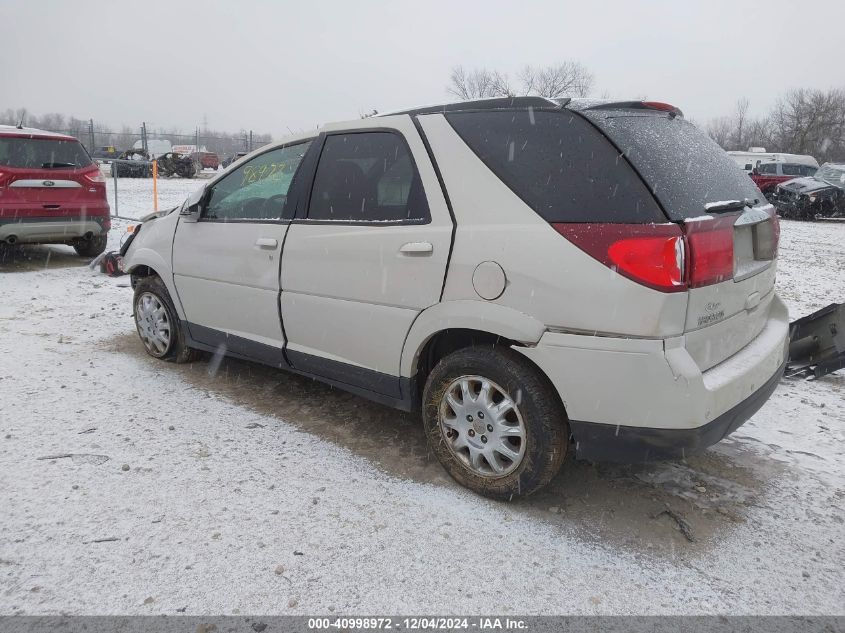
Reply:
x=48, y=183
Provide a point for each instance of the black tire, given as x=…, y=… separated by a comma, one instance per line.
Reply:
x=543, y=418
x=176, y=350
x=93, y=247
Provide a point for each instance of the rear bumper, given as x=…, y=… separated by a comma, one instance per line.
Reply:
x=646, y=399
x=53, y=230
x=607, y=443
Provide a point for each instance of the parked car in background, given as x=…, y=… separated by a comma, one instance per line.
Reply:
x=105, y=153
x=133, y=163
x=231, y=158
x=535, y=276
x=51, y=192
x=755, y=156
x=175, y=164
x=819, y=196
x=768, y=175
x=206, y=160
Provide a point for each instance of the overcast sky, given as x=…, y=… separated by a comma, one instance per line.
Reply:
x=273, y=66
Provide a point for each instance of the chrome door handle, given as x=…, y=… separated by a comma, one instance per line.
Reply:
x=266, y=242
x=416, y=248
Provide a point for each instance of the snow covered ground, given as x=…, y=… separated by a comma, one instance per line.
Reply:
x=129, y=485
x=135, y=195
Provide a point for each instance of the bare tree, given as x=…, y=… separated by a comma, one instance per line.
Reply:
x=811, y=122
x=740, y=118
x=720, y=130
x=479, y=83
x=567, y=79
x=803, y=121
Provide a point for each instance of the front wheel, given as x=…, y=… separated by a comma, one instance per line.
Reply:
x=494, y=422
x=158, y=324
x=93, y=247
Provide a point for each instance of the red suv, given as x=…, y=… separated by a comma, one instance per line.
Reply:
x=767, y=176
x=206, y=160
x=51, y=192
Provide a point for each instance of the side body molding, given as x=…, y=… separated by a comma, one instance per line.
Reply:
x=472, y=315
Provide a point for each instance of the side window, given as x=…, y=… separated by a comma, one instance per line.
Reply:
x=559, y=164
x=367, y=177
x=257, y=190
x=792, y=170
x=767, y=168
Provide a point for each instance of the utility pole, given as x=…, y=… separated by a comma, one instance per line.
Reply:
x=91, y=135
x=197, y=141
x=144, y=135
x=250, y=140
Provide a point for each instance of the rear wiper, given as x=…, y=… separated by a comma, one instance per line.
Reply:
x=57, y=165
x=729, y=205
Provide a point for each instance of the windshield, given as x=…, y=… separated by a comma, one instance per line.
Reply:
x=37, y=153
x=832, y=175
x=683, y=167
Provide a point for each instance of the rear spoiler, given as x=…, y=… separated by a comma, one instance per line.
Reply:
x=817, y=342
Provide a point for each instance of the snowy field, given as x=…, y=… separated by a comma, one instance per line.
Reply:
x=134, y=486
x=135, y=195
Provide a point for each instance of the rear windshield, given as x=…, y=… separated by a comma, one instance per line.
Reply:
x=37, y=153
x=559, y=164
x=683, y=167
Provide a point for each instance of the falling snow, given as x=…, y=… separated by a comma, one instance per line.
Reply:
x=218, y=473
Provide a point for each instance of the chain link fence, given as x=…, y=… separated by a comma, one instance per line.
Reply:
x=103, y=143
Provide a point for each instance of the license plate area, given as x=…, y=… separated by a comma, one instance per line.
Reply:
x=755, y=246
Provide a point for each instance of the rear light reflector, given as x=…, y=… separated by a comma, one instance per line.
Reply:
x=650, y=254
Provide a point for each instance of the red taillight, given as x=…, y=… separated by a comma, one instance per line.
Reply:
x=650, y=254
x=711, y=251
x=655, y=261
x=95, y=176
x=661, y=256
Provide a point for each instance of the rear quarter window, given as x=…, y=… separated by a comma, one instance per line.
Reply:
x=559, y=164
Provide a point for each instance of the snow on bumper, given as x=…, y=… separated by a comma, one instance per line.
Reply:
x=637, y=399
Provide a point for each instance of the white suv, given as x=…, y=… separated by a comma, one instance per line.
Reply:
x=536, y=277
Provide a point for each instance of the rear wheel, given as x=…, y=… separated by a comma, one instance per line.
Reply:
x=93, y=247
x=494, y=422
x=158, y=324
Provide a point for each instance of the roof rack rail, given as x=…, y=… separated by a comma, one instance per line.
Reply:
x=497, y=103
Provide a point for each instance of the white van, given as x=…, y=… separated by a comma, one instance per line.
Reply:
x=757, y=155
